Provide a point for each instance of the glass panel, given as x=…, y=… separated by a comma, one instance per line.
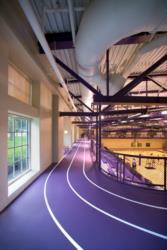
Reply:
x=24, y=164
x=10, y=172
x=24, y=139
x=18, y=146
x=17, y=125
x=10, y=157
x=18, y=154
x=24, y=125
x=24, y=152
x=17, y=168
x=10, y=140
x=18, y=140
x=10, y=124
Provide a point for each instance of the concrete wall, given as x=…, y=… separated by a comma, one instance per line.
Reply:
x=126, y=143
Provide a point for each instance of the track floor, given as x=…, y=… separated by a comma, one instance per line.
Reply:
x=74, y=206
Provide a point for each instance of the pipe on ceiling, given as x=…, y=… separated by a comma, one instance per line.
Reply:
x=104, y=24
x=29, y=13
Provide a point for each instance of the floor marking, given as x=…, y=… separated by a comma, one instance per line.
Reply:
x=162, y=236
x=120, y=196
x=69, y=238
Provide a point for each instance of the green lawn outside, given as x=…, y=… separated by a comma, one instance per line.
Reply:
x=19, y=141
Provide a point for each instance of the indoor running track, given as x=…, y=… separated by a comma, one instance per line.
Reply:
x=74, y=206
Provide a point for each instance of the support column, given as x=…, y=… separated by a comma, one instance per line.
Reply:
x=3, y=125
x=99, y=165
x=56, y=133
x=97, y=138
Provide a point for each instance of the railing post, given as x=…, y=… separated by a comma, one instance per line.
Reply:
x=99, y=136
x=117, y=157
x=123, y=168
x=165, y=177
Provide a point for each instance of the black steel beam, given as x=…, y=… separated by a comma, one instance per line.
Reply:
x=153, y=74
x=76, y=76
x=133, y=129
x=81, y=102
x=140, y=78
x=71, y=81
x=158, y=84
x=74, y=81
x=137, y=38
x=148, y=92
x=143, y=100
x=78, y=114
x=114, y=112
x=63, y=40
x=58, y=41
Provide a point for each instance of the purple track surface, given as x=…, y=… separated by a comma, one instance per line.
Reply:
x=27, y=225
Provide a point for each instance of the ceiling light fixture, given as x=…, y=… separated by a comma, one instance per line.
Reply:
x=164, y=112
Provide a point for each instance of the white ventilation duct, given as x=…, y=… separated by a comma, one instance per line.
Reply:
x=107, y=22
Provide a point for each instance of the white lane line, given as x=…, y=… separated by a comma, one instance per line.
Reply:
x=69, y=238
x=162, y=236
x=120, y=196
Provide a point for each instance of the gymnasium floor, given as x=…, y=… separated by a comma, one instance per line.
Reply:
x=74, y=206
x=155, y=174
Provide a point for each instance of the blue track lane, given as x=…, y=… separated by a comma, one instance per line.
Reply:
x=66, y=211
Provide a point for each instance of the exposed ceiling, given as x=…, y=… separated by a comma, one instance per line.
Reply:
x=54, y=17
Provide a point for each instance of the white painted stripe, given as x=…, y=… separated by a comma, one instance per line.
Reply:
x=120, y=196
x=69, y=238
x=162, y=236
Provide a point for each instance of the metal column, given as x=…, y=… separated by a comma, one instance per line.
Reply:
x=99, y=139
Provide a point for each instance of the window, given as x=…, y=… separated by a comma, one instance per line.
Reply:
x=18, y=85
x=139, y=144
x=147, y=144
x=18, y=146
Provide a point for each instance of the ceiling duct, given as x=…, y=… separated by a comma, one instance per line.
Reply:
x=107, y=22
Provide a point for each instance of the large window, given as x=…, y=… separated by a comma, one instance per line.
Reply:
x=19, y=85
x=18, y=146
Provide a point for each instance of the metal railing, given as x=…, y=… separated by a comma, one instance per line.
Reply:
x=139, y=170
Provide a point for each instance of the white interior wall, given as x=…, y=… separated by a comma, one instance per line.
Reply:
x=40, y=112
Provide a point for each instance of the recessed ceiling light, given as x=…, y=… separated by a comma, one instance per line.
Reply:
x=164, y=112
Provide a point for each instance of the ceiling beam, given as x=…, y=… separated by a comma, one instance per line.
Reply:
x=147, y=92
x=140, y=78
x=81, y=102
x=114, y=112
x=58, y=41
x=64, y=40
x=158, y=84
x=76, y=76
x=128, y=100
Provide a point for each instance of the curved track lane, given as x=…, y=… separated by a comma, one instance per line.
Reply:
x=73, y=213
x=83, y=209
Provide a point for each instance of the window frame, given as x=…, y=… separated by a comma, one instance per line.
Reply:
x=28, y=145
